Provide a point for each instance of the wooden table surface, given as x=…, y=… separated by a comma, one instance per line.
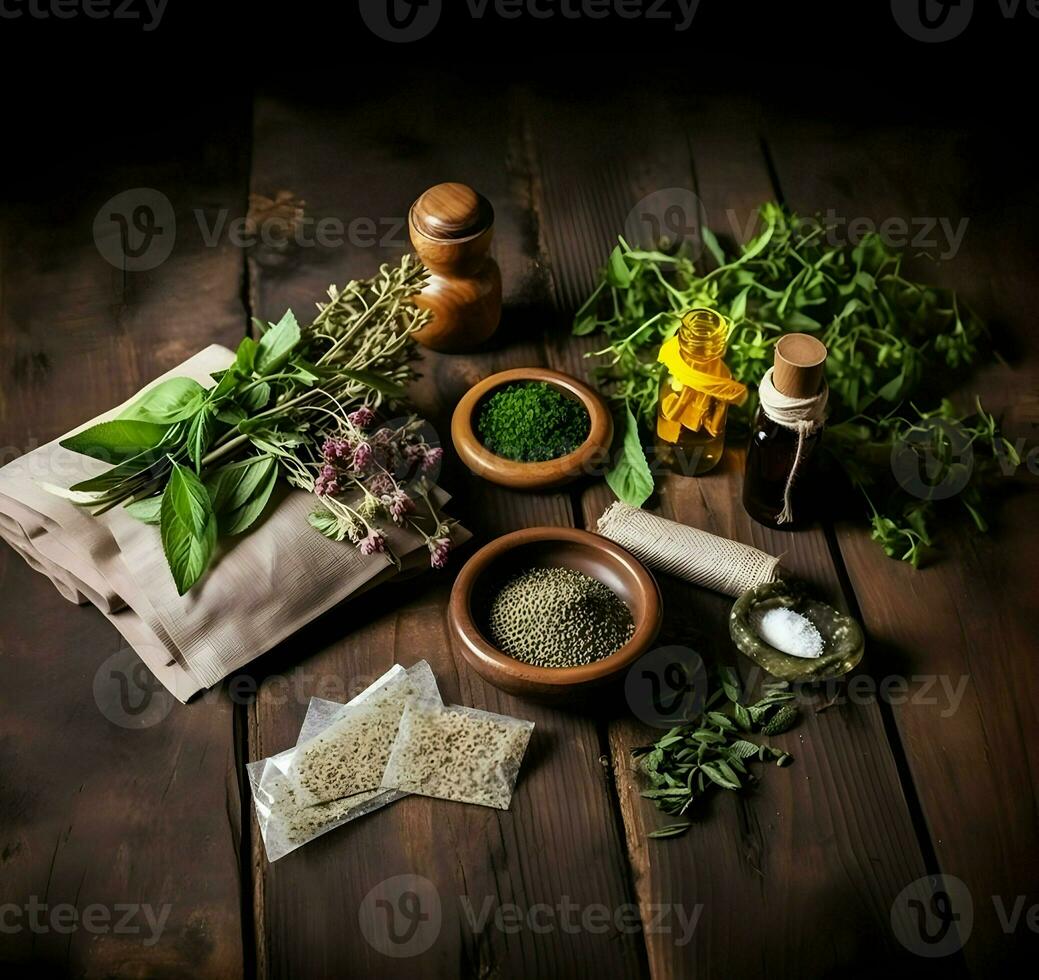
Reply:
x=936, y=774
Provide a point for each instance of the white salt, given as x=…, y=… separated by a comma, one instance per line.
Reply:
x=789, y=632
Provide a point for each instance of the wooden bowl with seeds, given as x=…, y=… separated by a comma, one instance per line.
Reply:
x=486, y=576
x=587, y=458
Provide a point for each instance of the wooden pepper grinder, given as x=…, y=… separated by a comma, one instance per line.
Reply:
x=451, y=229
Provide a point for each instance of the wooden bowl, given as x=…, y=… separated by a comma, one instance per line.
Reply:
x=550, y=547
x=587, y=458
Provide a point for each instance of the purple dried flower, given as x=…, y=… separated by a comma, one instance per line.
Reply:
x=326, y=485
x=335, y=449
x=439, y=549
x=399, y=504
x=431, y=458
x=362, y=418
x=362, y=457
x=373, y=543
x=382, y=484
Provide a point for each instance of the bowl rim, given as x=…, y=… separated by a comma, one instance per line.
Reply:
x=483, y=462
x=476, y=644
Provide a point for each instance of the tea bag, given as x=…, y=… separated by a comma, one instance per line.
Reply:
x=457, y=753
x=286, y=818
x=350, y=755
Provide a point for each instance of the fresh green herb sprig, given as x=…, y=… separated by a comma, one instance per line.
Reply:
x=532, y=421
x=689, y=760
x=892, y=342
x=201, y=461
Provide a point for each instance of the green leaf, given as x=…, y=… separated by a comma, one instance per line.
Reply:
x=617, y=272
x=188, y=527
x=277, y=344
x=245, y=356
x=671, y=830
x=117, y=441
x=715, y=775
x=712, y=244
x=168, y=402
x=742, y=749
x=200, y=435
x=147, y=511
x=585, y=324
x=630, y=478
x=325, y=522
x=257, y=397
x=240, y=492
x=377, y=382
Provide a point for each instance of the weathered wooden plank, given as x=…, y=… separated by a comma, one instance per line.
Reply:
x=115, y=800
x=821, y=848
x=957, y=630
x=558, y=845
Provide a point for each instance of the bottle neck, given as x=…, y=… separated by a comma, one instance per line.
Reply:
x=702, y=338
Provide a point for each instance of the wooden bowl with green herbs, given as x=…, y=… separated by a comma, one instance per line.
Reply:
x=553, y=613
x=532, y=429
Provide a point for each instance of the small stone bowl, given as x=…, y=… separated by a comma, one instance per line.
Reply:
x=843, y=641
x=516, y=474
x=549, y=547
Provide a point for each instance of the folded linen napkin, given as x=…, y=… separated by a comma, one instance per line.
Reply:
x=260, y=588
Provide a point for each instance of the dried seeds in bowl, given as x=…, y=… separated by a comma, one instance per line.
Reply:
x=457, y=753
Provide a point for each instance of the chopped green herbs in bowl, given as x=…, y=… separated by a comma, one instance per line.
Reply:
x=532, y=429
x=532, y=421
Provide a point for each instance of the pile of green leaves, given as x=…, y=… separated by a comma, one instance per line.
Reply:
x=893, y=344
x=532, y=422
x=692, y=759
x=202, y=462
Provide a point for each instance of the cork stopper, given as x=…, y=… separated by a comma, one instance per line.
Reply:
x=451, y=212
x=799, y=364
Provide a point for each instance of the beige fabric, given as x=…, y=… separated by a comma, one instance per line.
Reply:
x=261, y=587
x=687, y=552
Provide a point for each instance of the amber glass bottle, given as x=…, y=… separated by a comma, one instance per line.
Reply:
x=797, y=374
x=691, y=417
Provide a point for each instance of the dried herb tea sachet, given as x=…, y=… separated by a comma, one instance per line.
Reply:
x=457, y=753
x=285, y=822
x=351, y=754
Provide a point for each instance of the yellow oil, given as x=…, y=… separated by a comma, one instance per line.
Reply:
x=702, y=338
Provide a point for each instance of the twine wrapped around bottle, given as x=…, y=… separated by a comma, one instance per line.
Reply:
x=805, y=416
x=687, y=552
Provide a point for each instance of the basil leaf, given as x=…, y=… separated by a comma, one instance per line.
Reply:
x=117, y=441
x=240, y=492
x=256, y=398
x=630, y=478
x=188, y=527
x=245, y=357
x=200, y=435
x=277, y=345
x=172, y=401
x=146, y=511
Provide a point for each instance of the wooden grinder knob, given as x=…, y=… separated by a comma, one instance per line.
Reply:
x=451, y=229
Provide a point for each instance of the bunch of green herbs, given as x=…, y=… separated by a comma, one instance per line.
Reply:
x=686, y=763
x=893, y=344
x=203, y=462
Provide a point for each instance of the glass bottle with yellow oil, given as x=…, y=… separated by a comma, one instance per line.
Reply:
x=696, y=394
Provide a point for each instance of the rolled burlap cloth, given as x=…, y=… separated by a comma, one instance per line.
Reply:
x=687, y=552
